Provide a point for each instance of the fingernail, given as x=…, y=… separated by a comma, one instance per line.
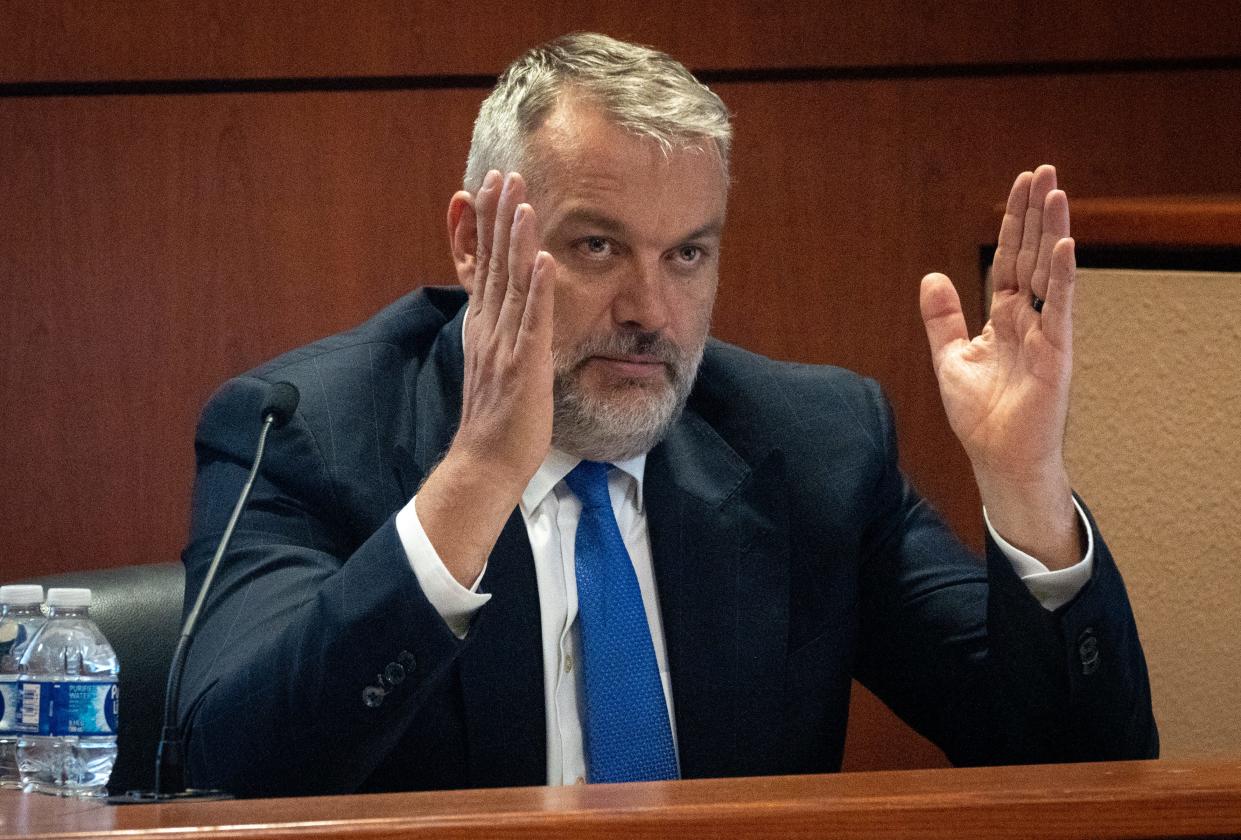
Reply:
x=489, y=180
x=519, y=214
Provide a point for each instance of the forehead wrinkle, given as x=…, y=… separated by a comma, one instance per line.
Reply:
x=590, y=172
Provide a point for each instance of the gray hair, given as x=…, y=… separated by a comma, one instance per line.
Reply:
x=644, y=91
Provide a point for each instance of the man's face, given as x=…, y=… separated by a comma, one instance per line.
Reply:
x=636, y=237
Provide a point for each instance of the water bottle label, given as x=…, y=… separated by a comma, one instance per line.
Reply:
x=68, y=708
x=10, y=705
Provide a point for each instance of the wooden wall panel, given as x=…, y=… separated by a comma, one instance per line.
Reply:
x=847, y=193
x=164, y=243
x=156, y=245
x=76, y=40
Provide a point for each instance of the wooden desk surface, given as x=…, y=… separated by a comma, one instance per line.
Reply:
x=1115, y=800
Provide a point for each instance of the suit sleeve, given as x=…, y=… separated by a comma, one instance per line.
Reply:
x=316, y=646
x=964, y=653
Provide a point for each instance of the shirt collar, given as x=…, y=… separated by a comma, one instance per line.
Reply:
x=558, y=464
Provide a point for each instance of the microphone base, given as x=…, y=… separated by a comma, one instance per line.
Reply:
x=150, y=797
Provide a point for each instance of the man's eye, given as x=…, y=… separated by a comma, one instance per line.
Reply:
x=689, y=253
x=595, y=246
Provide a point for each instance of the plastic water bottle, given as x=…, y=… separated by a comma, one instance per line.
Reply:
x=67, y=736
x=20, y=618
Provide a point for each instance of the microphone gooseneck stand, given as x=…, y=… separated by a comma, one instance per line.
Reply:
x=170, y=754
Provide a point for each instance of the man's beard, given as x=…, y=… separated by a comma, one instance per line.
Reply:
x=632, y=415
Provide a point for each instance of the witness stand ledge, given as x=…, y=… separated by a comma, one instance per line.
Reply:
x=1107, y=800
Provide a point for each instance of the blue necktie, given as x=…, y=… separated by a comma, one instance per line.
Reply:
x=628, y=737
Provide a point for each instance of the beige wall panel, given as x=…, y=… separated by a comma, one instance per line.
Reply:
x=1154, y=445
x=77, y=40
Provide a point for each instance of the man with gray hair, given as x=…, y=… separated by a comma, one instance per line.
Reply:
x=542, y=528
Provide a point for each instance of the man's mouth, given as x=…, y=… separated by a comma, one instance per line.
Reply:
x=631, y=366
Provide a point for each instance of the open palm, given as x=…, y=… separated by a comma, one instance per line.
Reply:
x=1006, y=391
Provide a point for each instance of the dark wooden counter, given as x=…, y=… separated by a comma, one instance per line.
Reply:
x=1151, y=221
x=1115, y=800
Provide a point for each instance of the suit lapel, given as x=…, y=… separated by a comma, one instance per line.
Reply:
x=433, y=396
x=721, y=567
x=721, y=564
x=501, y=668
x=502, y=671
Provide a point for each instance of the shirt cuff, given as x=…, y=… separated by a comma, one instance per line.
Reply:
x=455, y=604
x=1052, y=589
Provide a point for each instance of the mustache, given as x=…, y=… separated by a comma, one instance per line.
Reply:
x=652, y=344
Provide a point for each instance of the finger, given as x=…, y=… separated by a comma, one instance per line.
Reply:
x=1055, y=228
x=534, y=339
x=523, y=247
x=1004, y=265
x=1058, y=310
x=512, y=193
x=484, y=220
x=1043, y=182
x=941, y=314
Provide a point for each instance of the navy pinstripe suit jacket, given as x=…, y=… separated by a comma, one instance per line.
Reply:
x=790, y=554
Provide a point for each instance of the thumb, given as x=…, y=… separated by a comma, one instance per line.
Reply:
x=941, y=313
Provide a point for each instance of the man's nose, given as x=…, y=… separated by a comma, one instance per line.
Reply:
x=641, y=300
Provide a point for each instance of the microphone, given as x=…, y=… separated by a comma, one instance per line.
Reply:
x=277, y=410
x=280, y=404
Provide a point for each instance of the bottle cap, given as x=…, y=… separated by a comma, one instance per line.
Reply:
x=21, y=595
x=66, y=597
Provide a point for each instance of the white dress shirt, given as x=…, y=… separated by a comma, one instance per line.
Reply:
x=550, y=511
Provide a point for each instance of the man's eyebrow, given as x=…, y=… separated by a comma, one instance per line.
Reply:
x=592, y=218
x=711, y=230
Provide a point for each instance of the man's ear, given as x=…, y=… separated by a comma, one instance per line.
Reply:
x=463, y=237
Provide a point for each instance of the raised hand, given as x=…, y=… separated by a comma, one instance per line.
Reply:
x=506, y=411
x=1006, y=391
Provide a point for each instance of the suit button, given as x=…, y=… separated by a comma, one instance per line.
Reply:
x=373, y=696
x=394, y=674
x=406, y=660
x=1088, y=651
